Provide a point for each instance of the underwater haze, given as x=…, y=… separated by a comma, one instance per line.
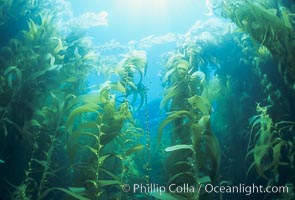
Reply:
x=147, y=99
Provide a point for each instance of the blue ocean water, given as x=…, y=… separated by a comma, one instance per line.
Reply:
x=134, y=20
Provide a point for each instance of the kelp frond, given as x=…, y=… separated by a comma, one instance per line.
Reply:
x=172, y=117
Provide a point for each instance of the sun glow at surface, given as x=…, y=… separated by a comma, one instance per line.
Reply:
x=153, y=6
x=134, y=19
x=143, y=12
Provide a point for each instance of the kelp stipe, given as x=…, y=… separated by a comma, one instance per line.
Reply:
x=148, y=152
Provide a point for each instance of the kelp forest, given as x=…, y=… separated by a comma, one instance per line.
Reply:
x=79, y=119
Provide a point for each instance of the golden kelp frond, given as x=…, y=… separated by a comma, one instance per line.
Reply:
x=134, y=149
x=46, y=19
x=176, y=94
x=125, y=112
x=15, y=44
x=131, y=71
x=261, y=126
x=118, y=86
x=38, y=34
x=172, y=61
x=58, y=48
x=197, y=82
x=179, y=147
x=79, y=110
x=172, y=117
x=139, y=60
x=200, y=103
x=88, y=130
x=198, y=76
x=185, y=175
x=169, y=94
x=286, y=17
x=13, y=73
x=200, y=128
x=134, y=62
x=30, y=35
x=74, y=145
x=84, y=99
x=260, y=153
x=177, y=69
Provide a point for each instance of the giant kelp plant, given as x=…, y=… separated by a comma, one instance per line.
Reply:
x=33, y=104
x=270, y=140
x=194, y=153
x=103, y=135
